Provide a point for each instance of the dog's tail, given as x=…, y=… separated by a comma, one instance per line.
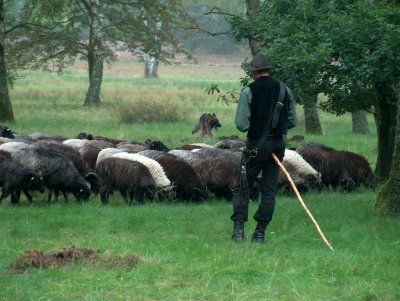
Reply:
x=196, y=128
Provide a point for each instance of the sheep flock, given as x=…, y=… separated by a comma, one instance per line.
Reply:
x=142, y=171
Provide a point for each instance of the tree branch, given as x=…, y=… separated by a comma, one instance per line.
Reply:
x=29, y=25
x=219, y=12
x=205, y=30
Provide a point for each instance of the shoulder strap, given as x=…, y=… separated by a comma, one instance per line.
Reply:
x=279, y=105
x=282, y=91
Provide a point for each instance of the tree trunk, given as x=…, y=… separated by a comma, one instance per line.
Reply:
x=360, y=122
x=6, y=111
x=150, y=66
x=95, y=55
x=252, y=10
x=311, y=116
x=93, y=93
x=90, y=60
x=385, y=119
x=388, y=199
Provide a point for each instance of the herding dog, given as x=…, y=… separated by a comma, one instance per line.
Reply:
x=206, y=123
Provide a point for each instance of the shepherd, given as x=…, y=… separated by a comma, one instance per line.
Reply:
x=265, y=111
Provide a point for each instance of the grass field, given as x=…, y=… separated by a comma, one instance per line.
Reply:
x=185, y=249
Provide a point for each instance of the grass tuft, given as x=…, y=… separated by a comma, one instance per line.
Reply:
x=150, y=111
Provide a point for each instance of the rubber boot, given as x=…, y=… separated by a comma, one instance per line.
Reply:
x=259, y=233
x=238, y=231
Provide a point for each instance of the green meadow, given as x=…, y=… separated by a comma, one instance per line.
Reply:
x=185, y=250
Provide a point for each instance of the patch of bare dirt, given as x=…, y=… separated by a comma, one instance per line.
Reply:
x=34, y=259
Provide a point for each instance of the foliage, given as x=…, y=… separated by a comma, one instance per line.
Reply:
x=230, y=96
x=59, y=31
x=345, y=49
x=365, y=36
x=290, y=35
x=210, y=22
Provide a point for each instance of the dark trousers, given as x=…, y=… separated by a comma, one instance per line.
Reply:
x=270, y=170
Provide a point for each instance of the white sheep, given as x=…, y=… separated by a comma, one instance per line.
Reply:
x=201, y=145
x=302, y=167
x=75, y=143
x=154, y=167
x=107, y=153
x=188, y=156
x=13, y=146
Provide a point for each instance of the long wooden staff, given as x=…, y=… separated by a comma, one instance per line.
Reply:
x=301, y=200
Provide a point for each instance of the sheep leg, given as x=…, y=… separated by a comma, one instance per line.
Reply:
x=50, y=195
x=139, y=196
x=125, y=196
x=131, y=197
x=104, y=197
x=4, y=194
x=65, y=196
x=14, y=198
x=28, y=195
x=56, y=193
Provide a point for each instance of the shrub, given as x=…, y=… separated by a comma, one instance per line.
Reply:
x=151, y=110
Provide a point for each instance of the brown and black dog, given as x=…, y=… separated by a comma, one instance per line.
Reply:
x=206, y=123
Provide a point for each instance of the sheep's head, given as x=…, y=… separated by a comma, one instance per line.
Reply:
x=35, y=182
x=157, y=145
x=199, y=194
x=369, y=179
x=91, y=177
x=84, y=135
x=6, y=132
x=82, y=191
x=314, y=180
x=347, y=184
x=167, y=192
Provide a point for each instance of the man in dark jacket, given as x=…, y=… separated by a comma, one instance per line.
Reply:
x=255, y=110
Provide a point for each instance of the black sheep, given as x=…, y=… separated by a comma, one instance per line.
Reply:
x=91, y=150
x=75, y=157
x=129, y=177
x=58, y=172
x=15, y=178
x=219, y=175
x=226, y=154
x=6, y=132
x=84, y=135
x=5, y=156
x=232, y=144
x=157, y=145
x=339, y=169
x=184, y=177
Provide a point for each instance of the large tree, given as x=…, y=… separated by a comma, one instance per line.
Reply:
x=365, y=37
x=360, y=122
x=348, y=50
x=6, y=111
x=388, y=200
x=95, y=53
x=253, y=8
x=58, y=31
x=286, y=32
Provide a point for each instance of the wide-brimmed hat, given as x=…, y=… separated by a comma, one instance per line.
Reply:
x=259, y=62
